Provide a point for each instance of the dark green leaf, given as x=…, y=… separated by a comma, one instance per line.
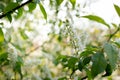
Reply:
x=59, y=2
x=86, y=60
x=19, y=0
x=85, y=53
x=73, y=2
x=17, y=67
x=1, y=7
x=9, y=17
x=97, y=19
x=80, y=65
x=99, y=64
x=112, y=54
x=1, y=36
x=117, y=8
x=3, y=57
x=108, y=70
x=10, y=7
x=43, y=11
x=71, y=62
x=31, y=6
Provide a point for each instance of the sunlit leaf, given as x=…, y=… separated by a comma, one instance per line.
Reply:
x=59, y=2
x=23, y=34
x=99, y=64
x=1, y=36
x=73, y=2
x=31, y=6
x=10, y=7
x=97, y=19
x=117, y=8
x=112, y=54
x=43, y=11
x=19, y=13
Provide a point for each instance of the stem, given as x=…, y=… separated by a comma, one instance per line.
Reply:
x=13, y=10
x=111, y=35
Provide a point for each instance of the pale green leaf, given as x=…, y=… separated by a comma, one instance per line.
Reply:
x=43, y=11
x=99, y=64
x=97, y=19
x=9, y=17
x=112, y=54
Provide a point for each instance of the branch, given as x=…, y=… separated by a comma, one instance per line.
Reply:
x=111, y=35
x=13, y=10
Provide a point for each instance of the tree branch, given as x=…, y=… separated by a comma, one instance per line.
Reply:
x=13, y=10
x=111, y=35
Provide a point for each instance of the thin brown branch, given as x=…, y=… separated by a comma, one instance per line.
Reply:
x=13, y=10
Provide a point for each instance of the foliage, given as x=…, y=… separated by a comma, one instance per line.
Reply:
x=65, y=51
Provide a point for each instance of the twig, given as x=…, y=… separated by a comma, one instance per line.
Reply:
x=111, y=35
x=13, y=10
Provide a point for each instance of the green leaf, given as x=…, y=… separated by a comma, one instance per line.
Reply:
x=73, y=2
x=43, y=11
x=17, y=67
x=111, y=54
x=19, y=0
x=9, y=17
x=31, y=6
x=114, y=25
x=86, y=53
x=1, y=36
x=10, y=7
x=36, y=1
x=59, y=2
x=99, y=64
x=3, y=57
x=63, y=78
x=1, y=7
x=80, y=65
x=71, y=62
x=88, y=72
x=19, y=13
x=117, y=8
x=86, y=60
x=97, y=19
x=108, y=71
x=23, y=34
